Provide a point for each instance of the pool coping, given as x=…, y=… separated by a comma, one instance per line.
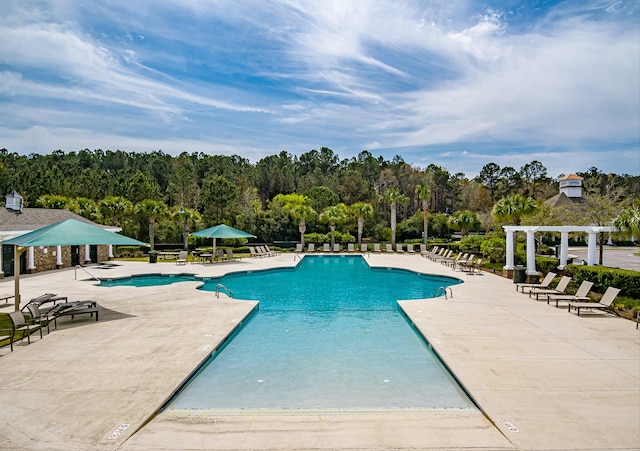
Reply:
x=483, y=313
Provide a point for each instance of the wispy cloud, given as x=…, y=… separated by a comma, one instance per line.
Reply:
x=418, y=78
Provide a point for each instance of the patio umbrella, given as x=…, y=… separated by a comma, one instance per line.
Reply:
x=221, y=231
x=70, y=232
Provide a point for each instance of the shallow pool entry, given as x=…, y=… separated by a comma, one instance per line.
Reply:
x=328, y=335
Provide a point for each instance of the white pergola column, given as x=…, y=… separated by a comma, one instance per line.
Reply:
x=509, y=264
x=531, y=252
x=31, y=262
x=110, y=251
x=87, y=253
x=592, y=244
x=58, y=255
x=564, y=249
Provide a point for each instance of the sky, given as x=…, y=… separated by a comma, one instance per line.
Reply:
x=456, y=83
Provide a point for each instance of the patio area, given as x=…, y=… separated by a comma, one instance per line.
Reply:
x=544, y=378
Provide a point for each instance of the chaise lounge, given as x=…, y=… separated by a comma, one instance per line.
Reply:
x=581, y=294
x=559, y=289
x=544, y=284
x=606, y=301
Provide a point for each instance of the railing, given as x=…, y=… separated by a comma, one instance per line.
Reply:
x=443, y=290
x=222, y=287
x=296, y=256
x=90, y=275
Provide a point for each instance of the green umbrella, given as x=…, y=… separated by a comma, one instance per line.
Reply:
x=65, y=233
x=221, y=231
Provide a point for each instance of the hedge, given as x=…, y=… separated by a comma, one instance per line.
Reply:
x=603, y=277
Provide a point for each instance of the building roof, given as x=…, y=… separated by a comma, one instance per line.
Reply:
x=561, y=200
x=570, y=177
x=12, y=224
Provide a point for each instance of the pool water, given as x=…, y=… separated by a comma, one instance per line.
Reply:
x=328, y=335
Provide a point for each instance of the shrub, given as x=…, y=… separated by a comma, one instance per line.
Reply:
x=547, y=264
x=494, y=249
x=603, y=277
x=316, y=237
x=472, y=244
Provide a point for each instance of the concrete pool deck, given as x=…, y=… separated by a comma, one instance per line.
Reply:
x=544, y=378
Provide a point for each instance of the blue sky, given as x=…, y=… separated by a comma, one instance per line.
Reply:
x=457, y=83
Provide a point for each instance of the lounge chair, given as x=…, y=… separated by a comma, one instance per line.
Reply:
x=326, y=247
x=450, y=261
x=182, y=258
x=299, y=247
x=19, y=324
x=410, y=249
x=447, y=254
x=434, y=255
x=388, y=248
x=604, y=303
x=44, y=319
x=399, y=248
x=336, y=247
x=262, y=250
x=195, y=257
x=230, y=254
x=8, y=338
x=350, y=247
x=544, y=284
x=311, y=247
x=423, y=250
x=363, y=247
x=78, y=308
x=45, y=299
x=376, y=247
x=559, y=289
x=581, y=294
x=266, y=248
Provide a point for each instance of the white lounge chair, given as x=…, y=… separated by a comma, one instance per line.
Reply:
x=299, y=247
x=363, y=247
x=311, y=247
x=581, y=294
x=559, y=289
x=182, y=258
x=544, y=284
x=326, y=247
x=604, y=303
x=399, y=248
x=376, y=247
x=350, y=247
x=410, y=249
x=388, y=248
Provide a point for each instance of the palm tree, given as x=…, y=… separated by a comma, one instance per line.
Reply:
x=393, y=197
x=361, y=210
x=113, y=208
x=424, y=194
x=334, y=215
x=463, y=220
x=512, y=209
x=188, y=218
x=298, y=207
x=151, y=209
x=628, y=222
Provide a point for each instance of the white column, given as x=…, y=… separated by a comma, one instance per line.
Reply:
x=110, y=251
x=87, y=253
x=509, y=263
x=30, y=260
x=58, y=255
x=1, y=265
x=592, y=244
x=564, y=249
x=531, y=252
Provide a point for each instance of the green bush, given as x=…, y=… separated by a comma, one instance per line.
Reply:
x=315, y=237
x=129, y=251
x=547, y=264
x=472, y=244
x=343, y=237
x=603, y=277
x=494, y=249
x=454, y=246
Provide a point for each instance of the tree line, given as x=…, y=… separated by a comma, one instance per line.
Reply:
x=158, y=197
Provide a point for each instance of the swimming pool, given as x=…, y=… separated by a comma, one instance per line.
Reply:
x=327, y=335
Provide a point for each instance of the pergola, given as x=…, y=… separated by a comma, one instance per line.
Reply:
x=591, y=231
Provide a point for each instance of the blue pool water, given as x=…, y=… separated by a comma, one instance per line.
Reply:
x=328, y=335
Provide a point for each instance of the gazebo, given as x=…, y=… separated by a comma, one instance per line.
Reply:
x=591, y=231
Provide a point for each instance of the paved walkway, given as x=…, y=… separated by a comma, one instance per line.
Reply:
x=545, y=379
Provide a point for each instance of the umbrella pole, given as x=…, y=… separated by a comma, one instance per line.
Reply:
x=17, y=252
x=213, y=254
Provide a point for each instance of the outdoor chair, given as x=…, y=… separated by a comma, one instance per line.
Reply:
x=7, y=337
x=78, y=308
x=433, y=256
x=311, y=247
x=195, y=257
x=544, y=284
x=559, y=289
x=182, y=258
x=220, y=255
x=399, y=248
x=253, y=253
x=607, y=299
x=299, y=247
x=423, y=250
x=326, y=247
x=270, y=251
x=410, y=249
x=350, y=247
x=336, y=247
x=581, y=294
x=44, y=319
x=376, y=248
x=363, y=247
x=450, y=261
x=45, y=299
x=19, y=324
x=230, y=255
x=388, y=248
